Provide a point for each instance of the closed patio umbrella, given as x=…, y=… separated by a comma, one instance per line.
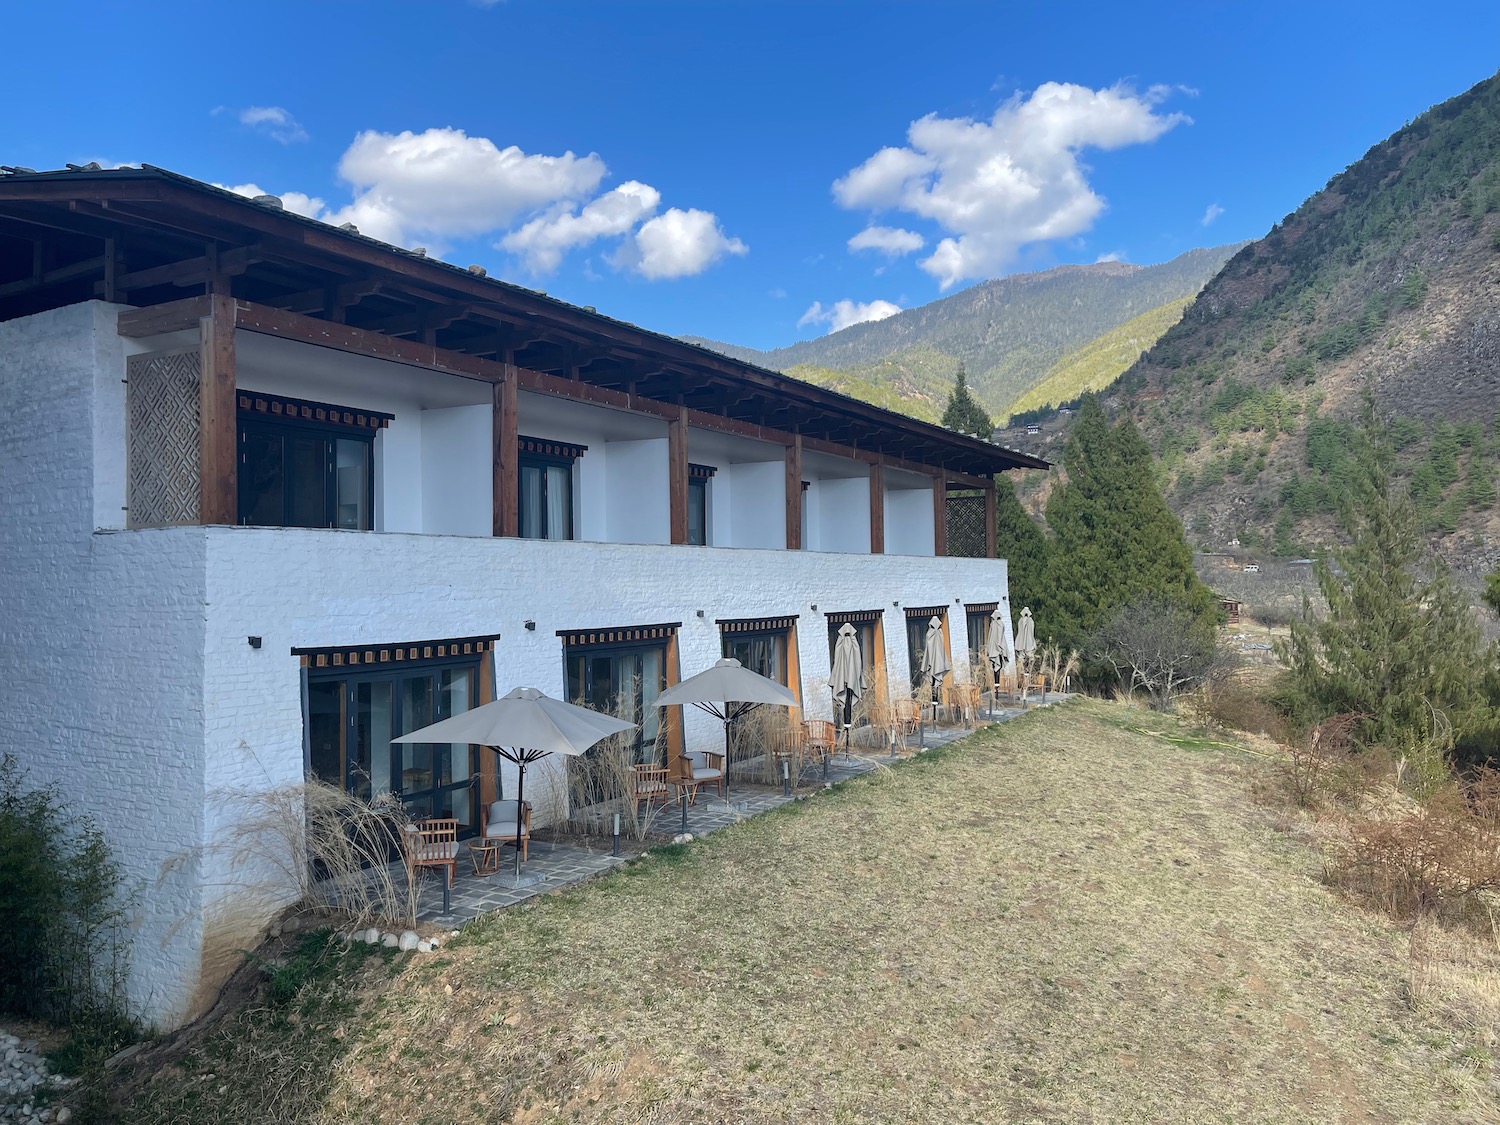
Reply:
x=726, y=691
x=848, y=676
x=995, y=651
x=1025, y=635
x=935, y=656
x=523, y=726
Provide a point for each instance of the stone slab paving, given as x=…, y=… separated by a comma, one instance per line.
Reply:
x=559, y=865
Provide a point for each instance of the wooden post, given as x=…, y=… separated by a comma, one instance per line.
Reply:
x=218, y=457
x=939, y=515
x=991, y=546
x=505, y=431
x=794, y=494
x=677, y=478
x=877, y=509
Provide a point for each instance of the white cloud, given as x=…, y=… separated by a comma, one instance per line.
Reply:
x=998, y=185
x=296, y=201
x=677, y=243
x=888, y=240
x=543, y=241
x=1110, y=256
x=274, y=122
x=1213, y=212
x=841, y=314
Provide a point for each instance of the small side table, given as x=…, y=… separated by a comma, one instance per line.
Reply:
x=485, y=855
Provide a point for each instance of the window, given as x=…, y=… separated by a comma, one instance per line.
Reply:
x=621, y=672
x=353, y=712
x=865, y=624
x=546, y=485
x=979, y=628
x=917, y=622
x=303, y=465
x=763, y=645
x=698, y=478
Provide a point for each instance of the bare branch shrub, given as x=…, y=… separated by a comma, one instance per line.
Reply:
x=1162, y=648
x=601, y=782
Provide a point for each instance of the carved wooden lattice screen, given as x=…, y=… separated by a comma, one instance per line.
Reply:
x=161, y=442
x=966, y=524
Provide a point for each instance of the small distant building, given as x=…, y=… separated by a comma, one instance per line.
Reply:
x=1033, y=429
x=1231, y=609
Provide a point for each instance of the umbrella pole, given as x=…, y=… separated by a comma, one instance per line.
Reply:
x=726, y=758
x=520, y=811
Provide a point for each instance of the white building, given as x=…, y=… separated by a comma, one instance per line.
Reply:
x=274, y=493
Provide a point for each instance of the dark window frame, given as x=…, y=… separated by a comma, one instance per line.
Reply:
x=250, y=422
x=543, y=461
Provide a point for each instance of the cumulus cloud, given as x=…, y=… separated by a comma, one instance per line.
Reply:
x=841, y=314
x=1015, y=179
x=274, y=122
x=677, y=243
x=1110, y=256
x=892, y=241
x=1212, y=212
x=442, y=184
x=544, y=240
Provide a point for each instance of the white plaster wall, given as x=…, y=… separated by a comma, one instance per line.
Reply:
x=639, y=504
x=908, y=522
x=843, y=515
x=455, y=463
x=757, y=492
x=101, y=636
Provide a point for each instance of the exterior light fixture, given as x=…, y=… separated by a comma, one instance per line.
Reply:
x=254, y=642
x=700, y=613
x=531, y=626
x=815, y=609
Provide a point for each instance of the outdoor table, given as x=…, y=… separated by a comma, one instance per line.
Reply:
x=485, y=854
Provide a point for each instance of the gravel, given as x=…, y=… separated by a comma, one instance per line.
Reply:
x=29, y=1093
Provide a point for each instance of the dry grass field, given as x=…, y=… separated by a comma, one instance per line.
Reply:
x=1079, y=916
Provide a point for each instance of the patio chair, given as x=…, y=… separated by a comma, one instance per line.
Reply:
x=905, y=720
x=649, y=785
x=431, y=843
x=969, y=697
x=497, y=821
x=698, y=768
x=819, y=738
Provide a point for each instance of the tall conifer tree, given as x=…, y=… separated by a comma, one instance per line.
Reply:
x=1023, y=545
x=964, y=413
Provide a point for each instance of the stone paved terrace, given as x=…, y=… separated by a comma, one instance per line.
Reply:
x=559, y=865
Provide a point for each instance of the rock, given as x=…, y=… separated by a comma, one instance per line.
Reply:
x=437, y=943
x=291, y=925
x=407, y=941
x=372, y=936
x=390, y=941
x=424, y=947
x=64, y=1115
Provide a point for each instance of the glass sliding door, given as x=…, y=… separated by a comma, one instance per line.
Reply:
x=352, y=718
x=623, y=681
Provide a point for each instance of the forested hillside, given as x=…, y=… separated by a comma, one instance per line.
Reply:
x=1389, y=278
x=1008, y=333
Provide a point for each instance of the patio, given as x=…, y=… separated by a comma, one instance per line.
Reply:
x=564, y=865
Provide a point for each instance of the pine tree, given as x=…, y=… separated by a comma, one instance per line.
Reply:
x=1023, y=546
x=964, y=413
x=1398, y=643
x=1115, y=540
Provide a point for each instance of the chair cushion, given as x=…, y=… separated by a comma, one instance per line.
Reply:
x=504, y=829
x=650, y=786
x=503, y=810
x=434, y=851
x=706, y=774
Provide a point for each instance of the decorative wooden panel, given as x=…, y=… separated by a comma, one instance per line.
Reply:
x=966, y=512
x=161, y=439
x=627, y=635
x=340, y=656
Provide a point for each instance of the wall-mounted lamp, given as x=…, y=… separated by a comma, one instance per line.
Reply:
x=815, y=609
x=254, y=642
x=700, y=613
x=897, y=605
x=531, y=626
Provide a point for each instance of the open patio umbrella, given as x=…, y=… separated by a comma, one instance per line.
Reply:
x=995, y=651
x=726, y=691
x=848, y=675
x=935, y=656
x=522, y=727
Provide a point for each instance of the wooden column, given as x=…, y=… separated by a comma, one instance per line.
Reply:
x=218, y=460
x=794, y=494
x=877, y=510
x=939, y=515
x=991, y=547
x=505, y=432
x=677, y=478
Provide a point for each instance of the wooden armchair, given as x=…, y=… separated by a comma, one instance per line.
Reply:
x=431, y=843
x=698, y=768
x=905, y=718
x=649, y=784
x=497, y=821
x=968, y=697
x=819, y=737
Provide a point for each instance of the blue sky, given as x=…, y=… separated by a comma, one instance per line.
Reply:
x=700, y=167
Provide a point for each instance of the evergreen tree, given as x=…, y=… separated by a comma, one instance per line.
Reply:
x=1114, y=538
x=1023, y=546
x=1399, y=643
x=964, y=413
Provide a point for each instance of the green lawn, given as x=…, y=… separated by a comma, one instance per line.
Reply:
x=1069, y=918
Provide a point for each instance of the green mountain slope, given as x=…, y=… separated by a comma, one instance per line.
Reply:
x=1102, y=360
x=1008, y=332
x=1388, y=278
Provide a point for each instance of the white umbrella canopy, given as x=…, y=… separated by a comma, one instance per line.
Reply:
x=1026, y=633
x=848, y=675
x=522, y=726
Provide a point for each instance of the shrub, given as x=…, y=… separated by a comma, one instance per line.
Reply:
x=1322, y=764
x=64, y=903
